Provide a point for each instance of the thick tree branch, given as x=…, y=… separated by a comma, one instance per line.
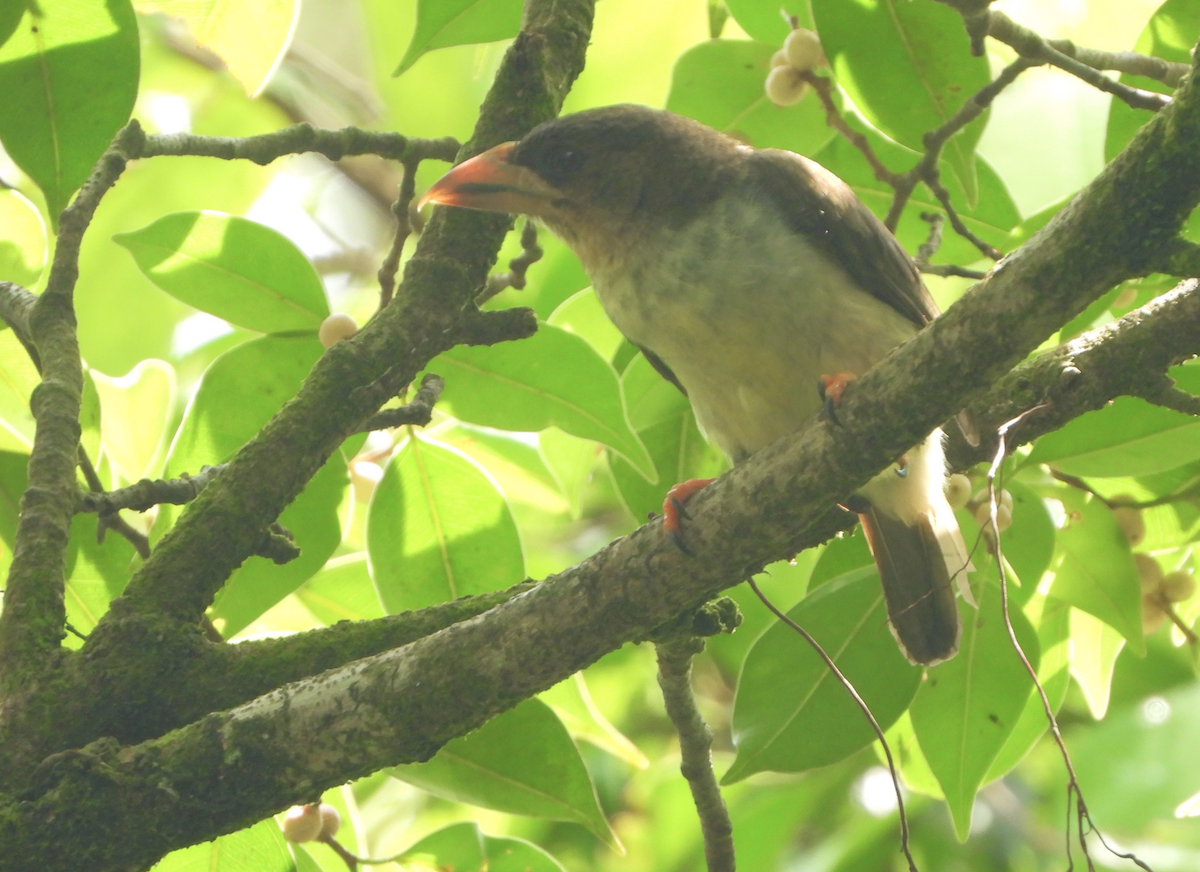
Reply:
x=1129, y=356
x=32, y=623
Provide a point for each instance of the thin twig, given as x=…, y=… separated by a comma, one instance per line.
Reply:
x=695, y=748
x=400, y=209
x=1171, y=397
x=833, y=667
x=531, y=253
x=833, y=117
x=146, y=493
x=1082, y=818
x=417, y=412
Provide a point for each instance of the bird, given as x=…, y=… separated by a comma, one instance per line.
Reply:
x=749, y=278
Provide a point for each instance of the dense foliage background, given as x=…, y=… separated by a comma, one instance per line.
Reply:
x=203, y=283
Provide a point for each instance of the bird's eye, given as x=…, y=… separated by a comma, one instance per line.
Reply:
x=567, y=161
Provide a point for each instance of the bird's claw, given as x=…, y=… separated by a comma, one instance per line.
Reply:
x=673, y=510
x=830, y=388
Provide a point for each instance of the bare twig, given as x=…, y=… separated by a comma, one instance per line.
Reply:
x=417, y=412
x=531, y=253
x=1082, y=818
x=695, y=747
x=833, y=117
x=833, y=667
x=1171, y=397
x=146, y=493
x=929, y=248
x=400, y=209
x=278, y=545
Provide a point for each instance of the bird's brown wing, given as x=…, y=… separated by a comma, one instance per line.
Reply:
x=661, y=368
x=819, y=205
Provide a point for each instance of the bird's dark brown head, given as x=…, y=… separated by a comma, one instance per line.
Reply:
x=599, y=177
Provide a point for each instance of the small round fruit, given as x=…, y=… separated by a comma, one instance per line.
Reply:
x=331, y=821
x=335, y=328
x=983, y=517
x=1178, y=586
x=1149, y=572
x=778, y=59
x=1005, y=499
x=784, y=87
x=302, y=823
x=1132, y=524
x=803, y=49
x=958, y=490
x=1153, y=615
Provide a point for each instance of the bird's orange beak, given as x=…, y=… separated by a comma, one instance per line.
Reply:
x=489, y=182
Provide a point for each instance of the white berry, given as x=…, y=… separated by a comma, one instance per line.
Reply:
x=778, y=59
x=335, y=328
x=803, y=49
x=331, y=821
x=784, y=86
x=1149, y=572
x=1153, y=615
x=958, y=490
x=1132, y=524
x=1178, y=586
x=302, y=823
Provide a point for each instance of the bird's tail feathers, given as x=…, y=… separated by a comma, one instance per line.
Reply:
x=915, y=570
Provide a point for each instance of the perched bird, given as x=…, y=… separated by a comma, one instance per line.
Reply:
x=744, y=275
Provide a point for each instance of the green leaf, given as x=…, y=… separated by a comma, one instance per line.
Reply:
x=137, y=409
x=260, y=848
x=909, y=759
x=438, y=528
x=571, y=461
x=1094, y=649
x=907, y=66
x=18, y=378
x=463, y=847
x=1029, y=541
x=1170, y=35
x=69, y=75
x=992, y=219
x=1129, y=436
x=841, y=556
x=764, y=19
x=968, y=706
x=96, y=573
x=1094, y=568
x=251, y=36
x=13, y=480
x=342, y=591
x=663, y=419
x=1140, y=764
x=791, y=713
x=239, y=393
x=582, y=314
x=22, y=240
x=520, y=762
x=231, y=267
x=1053, y=621
x=442, y=23
x=720, y=83
x=552, y=378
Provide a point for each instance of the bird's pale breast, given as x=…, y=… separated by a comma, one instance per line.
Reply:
x=748, y=315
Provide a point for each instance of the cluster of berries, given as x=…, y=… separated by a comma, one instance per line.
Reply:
x=801, y=52
x=958, y=494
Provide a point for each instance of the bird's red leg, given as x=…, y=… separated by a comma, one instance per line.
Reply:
x=831, y=388
x=673, y=507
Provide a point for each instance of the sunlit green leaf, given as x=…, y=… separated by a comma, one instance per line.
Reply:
x=96, y=572
x=968, y=706
x=520, y=762
x=1129, y=436
x=230, y=267
x=764, y=19
x=260, y=848
x=1094, y=649
x=791, y=713
x=720, y=82
x=251, y=37
x=464, y=847
x=907, y=65
x=442, y=23
x=69, y=75
x=571, y=461
x=22, y=240
x=582, y=315
x=554, y=377
x=342, y=591
x=1094, y=568
x=18, y=378
x=439, y=529
x=1170, y=35
x=137, y=409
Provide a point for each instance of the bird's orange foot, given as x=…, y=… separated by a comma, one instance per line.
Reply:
x=831, y=388
x=673, y=509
